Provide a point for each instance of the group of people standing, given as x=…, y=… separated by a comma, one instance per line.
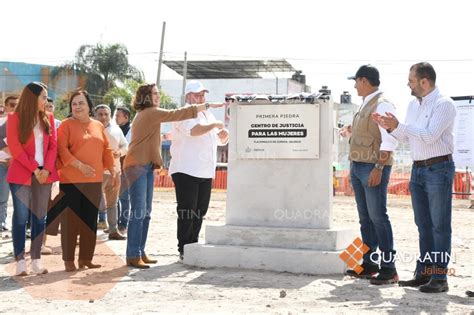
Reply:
x=374, y=133
x=91, y=158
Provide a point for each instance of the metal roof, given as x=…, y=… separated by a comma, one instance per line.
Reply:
x=229, y=69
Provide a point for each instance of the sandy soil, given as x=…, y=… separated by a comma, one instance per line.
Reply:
x=173, y=287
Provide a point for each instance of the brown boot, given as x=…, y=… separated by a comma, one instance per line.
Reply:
x=117, y=236
x=69, y=266
x=88, y=264
x=148, y=260
x=137, y=263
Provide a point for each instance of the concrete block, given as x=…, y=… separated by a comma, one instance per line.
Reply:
x=290, y=238
x=264, y=258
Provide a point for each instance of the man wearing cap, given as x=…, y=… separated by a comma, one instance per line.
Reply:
x=428, y=128
x=193, y=164
x=371, y=149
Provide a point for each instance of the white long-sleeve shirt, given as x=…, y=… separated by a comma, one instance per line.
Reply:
x=389, y=143
x=117, y=142
x=428, y=126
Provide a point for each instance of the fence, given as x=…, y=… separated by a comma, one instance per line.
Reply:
x=163, y=180
x=398, y=184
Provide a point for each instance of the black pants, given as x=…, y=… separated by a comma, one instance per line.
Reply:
x=77, y=207
x=193, y=195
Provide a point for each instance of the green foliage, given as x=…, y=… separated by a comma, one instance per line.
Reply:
x=62, y=107
x=103, y=66
x=122, y=95
x=166, y=101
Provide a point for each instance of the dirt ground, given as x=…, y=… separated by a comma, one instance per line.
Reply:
x=171, y=287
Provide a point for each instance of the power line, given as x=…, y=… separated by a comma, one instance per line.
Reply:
x=313, y=60
x=343, y=61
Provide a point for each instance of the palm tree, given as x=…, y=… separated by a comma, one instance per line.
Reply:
x=102, y=67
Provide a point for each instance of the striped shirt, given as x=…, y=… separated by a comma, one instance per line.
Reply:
x=428, y=126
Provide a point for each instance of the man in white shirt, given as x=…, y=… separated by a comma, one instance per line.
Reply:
x=428, y=128
x=371, y=156
x=193, y=164
x=119, y=146
x=8, y=107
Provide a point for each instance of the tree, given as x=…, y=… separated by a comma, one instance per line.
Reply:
x=166, y=101
x=103, y=66
x=122, y=95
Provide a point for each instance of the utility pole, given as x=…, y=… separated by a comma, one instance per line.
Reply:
x=160, y=60
x=185, y=70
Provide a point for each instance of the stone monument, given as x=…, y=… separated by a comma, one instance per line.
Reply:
x=279, y=192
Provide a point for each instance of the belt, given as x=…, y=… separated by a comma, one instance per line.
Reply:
x=432, y=161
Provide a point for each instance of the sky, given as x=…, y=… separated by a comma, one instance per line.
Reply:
x=327, y=40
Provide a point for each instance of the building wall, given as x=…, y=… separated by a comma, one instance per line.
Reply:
x=15, y=75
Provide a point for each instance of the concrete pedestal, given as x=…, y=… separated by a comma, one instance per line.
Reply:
x=312, y=251
x=278, y=209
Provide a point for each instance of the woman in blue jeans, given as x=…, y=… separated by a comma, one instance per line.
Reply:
x=31, y=137
x=142, y=159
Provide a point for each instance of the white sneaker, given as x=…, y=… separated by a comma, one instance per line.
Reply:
x=37, y=268
x=21, y=268
x=46, y=250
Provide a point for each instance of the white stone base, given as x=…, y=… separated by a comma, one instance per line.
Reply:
x=310, y=251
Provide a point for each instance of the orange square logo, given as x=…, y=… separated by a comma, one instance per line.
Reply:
x=353, y=253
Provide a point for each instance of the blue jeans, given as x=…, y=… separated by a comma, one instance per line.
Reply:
x=4, y=193
x=123, y=203
x=140, y=181
x=25, y=198
x=431, y=197
x=102, y=215
x=375, y=226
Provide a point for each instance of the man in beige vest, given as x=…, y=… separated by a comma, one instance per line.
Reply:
x=371, y=149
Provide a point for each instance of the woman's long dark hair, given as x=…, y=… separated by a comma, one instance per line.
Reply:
x=28, y=114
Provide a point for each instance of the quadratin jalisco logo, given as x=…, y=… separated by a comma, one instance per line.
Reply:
x=354, y=253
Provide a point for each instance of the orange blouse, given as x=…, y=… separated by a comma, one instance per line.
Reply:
x=86, y=142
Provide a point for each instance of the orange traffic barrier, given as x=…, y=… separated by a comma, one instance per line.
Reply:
x=398, y=184
x=162, y=180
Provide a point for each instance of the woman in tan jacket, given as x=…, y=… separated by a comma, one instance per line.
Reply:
x=142, y=158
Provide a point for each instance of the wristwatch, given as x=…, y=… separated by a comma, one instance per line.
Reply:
x=379, y=166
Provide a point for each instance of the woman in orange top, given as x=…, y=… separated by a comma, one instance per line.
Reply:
x=84, y=153
x=31, y=138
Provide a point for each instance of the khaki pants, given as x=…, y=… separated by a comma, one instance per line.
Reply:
x=109, y=201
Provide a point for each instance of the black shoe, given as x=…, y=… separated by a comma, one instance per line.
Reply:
x=368, y=271
x=181, y=257
x=470, y=293
x=435, y=286
x=385, y=276
x=416, y=281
